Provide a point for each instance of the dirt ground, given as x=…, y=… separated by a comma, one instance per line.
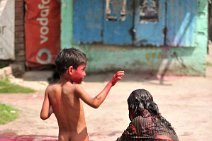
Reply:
x=184, y=101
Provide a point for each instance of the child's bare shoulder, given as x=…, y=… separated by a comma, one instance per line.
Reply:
x=53, y=87
x=77, y=86
x=78, y=89
x=67, y=87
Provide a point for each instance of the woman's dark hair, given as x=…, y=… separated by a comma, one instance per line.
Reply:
x=69, y=57
x=140, y=100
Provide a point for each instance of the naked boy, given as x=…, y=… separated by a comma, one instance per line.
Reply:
x=65, y=97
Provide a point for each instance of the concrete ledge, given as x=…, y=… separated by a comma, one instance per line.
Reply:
x=5, y=72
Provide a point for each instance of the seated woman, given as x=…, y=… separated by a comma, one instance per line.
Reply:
x=147, y=124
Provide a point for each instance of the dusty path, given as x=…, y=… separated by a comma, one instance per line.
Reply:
x=184, y=101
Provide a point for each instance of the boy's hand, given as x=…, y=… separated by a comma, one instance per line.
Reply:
x=116, y=77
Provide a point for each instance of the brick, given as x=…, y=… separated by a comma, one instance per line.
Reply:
x=19, y=46
x=19, y=2
x=20, y=53
x=19, y=40
x=19, y=10
x=19, y=34
x=20, y=58
x=19, y=22
x=19, y=28
x=19, y=16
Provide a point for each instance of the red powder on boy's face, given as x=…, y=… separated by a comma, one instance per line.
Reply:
x=79, y=74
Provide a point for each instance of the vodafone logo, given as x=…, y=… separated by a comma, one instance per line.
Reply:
x=44, y=56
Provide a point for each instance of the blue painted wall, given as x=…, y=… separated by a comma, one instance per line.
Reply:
x=170, y=28
x=187, y=33
x=88, y=21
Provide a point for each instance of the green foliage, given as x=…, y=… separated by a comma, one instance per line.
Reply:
x=7, y=87
x=7, y=114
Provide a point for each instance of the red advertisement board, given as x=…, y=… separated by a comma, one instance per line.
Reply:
x=42, y=32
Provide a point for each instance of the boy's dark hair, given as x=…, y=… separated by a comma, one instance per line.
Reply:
x=69, y=57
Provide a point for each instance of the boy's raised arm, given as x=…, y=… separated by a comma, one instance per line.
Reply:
x=96, y=101
x=116, y=77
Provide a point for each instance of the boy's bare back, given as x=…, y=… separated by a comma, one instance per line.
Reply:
x=69, y=111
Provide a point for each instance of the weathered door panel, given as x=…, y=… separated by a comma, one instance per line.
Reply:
x=117, y=30
x=149, y=28
x=181, y=22
x=161, y=22
x=87, y=21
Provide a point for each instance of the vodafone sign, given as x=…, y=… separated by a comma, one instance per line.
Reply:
x=42, y=27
